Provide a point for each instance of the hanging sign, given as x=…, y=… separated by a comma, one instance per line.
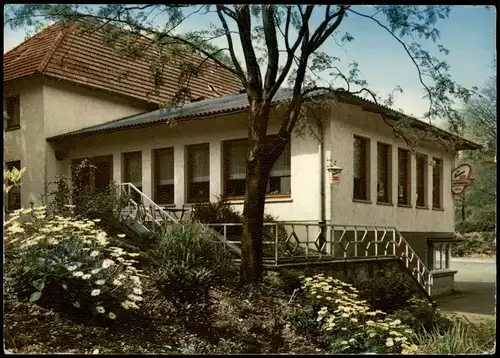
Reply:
x=461, y=177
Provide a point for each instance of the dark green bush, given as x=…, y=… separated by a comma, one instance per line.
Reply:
x=475, y=243
x=216, y=212
x=387, y=294
x=421, y=315
x=479, y=225
x=303, y=319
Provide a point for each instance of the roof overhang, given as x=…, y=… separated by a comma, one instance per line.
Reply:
x=239, y=103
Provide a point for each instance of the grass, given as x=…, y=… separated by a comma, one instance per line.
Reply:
x=461, y=338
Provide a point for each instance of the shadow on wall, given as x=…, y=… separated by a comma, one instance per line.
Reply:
x=470, y=297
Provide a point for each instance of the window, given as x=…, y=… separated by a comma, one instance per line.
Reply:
x=437, y=183
x=198, y=166
x=164, y=176
x=235, y=170
x=132, y=169
x=383, y=173
x=403, y=177
x=421, y=180
x=361, y=161
x=94, y=173
x=14, y=195
x=439, y=255
x=13, y=112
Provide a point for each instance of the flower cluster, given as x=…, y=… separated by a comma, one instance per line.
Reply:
x=75, y=255
x=351, y=323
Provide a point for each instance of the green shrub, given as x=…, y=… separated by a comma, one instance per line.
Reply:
x=349, y=322
x=475, y=243
x=187, y=287
x=460, y=338
x=303, y=319
x=192, y=245
x=216, y=212
x=421, y=315
x=387, y=294
x=68, y=264
x=476, y=225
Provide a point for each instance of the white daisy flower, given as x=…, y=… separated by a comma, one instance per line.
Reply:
x=95, y=292
x=100, y=309
x=100, y=282
x=111, y=315
x=78, y=274
x=107, y=263
x=121, y=236
x=94, y=253
x=86, y=276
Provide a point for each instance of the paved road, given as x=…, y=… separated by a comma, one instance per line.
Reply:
x=475, y=289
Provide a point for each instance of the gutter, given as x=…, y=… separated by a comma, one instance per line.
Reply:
x=322, y=172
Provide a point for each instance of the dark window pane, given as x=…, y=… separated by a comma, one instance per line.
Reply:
x=436, y=183
x=383, y=178
x=360, y=168
x=403, y=177
x=13, y=111
x=421, y=180
x=198, y=172
x=164, y=176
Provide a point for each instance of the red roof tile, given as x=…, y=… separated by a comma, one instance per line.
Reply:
x=85, y=59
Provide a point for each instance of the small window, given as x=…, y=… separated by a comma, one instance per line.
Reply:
x=437, y=179
x=235, y=170
x=164, y=175
x=422, y=180
x=383, y=173
x=14, y=195
x=439, y=255
x=132, y=169
x=403, y=177
x=13, y=112
x=198, y=173
x=360, y=175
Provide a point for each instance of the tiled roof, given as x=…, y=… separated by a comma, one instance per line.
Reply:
x=66, y=54
x=237, y=103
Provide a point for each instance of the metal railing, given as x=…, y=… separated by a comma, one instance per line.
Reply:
x=144, y=210
x=289, y=241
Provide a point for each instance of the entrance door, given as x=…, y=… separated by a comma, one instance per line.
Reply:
x=96, y=177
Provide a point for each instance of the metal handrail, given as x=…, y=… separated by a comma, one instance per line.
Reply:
x=330, y=238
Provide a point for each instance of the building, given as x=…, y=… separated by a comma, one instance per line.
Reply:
x=202, y=156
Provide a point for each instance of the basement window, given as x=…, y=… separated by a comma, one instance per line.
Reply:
x=439, y=255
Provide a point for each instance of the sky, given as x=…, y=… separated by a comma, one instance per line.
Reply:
x=469, y=33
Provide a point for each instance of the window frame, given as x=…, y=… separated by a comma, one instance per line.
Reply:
x=407, y=202
x=14, y=190
x=10, y=125
x=421, y=179
x=438, y=163
x=388, y=182
x=156, y=175
x=366, y=169
x=188, y=171
x=225, y=163
x=444, y=248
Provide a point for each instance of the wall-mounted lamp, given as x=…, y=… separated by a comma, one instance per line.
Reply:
x=334, y=170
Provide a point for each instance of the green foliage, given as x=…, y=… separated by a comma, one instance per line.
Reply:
x=387, y=294
x=216, y=212
x=12, y=178
x=351, y=326
x=421, y=316
x=475, y=243
x=68, y=264
x=191, y=245
x=460, y=337
x=67, y=195
x=303, y=319
x=190, y=259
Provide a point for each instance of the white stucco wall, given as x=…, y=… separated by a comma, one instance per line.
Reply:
x=305, y=167
x=27, y=143
x=349, y=120
x=68, y=107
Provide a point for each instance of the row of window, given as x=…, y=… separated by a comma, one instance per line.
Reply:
x=198, y=172
x=361, y=172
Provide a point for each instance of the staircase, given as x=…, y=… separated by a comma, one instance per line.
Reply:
x=147, y=219
x=290, y=243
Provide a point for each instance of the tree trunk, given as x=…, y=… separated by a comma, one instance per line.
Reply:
x=253, y=220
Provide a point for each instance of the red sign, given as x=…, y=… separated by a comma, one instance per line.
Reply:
x=461, y=177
